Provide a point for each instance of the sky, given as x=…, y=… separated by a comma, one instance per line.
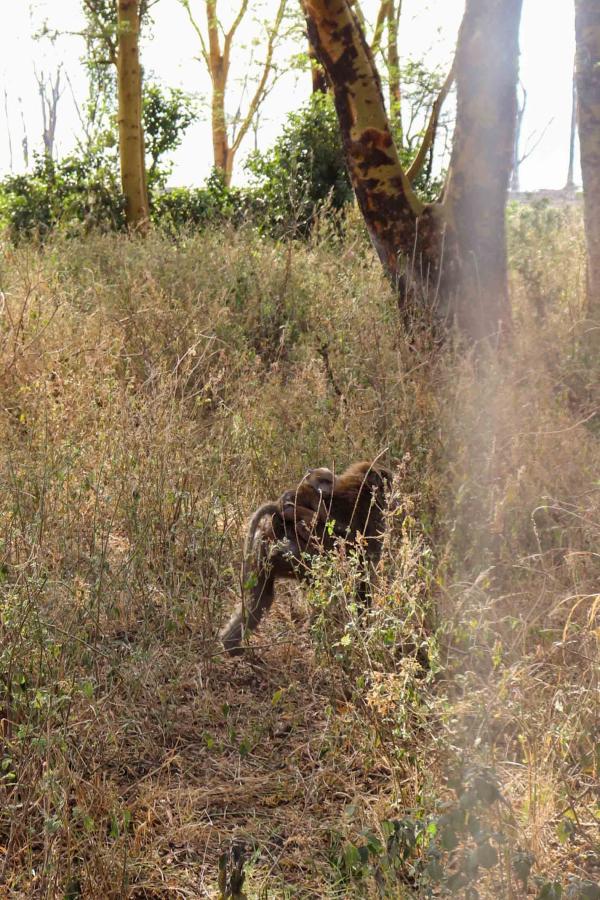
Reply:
x=170, y=56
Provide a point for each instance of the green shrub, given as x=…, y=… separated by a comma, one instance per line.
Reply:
x=74, y=193
x=184, y=207
x=304, y=170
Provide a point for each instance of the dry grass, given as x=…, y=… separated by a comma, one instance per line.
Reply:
x=152, y=393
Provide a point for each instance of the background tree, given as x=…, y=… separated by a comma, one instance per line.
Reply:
x=392, y=12
x=131, y=132
x=458, y=244
x=8, y=134
x=50, y=93
x=113, y=37
x=570, y=182
x=216, y=46
x=587, y=36
x=515, y=178
x=25, y=138
x=532, y=143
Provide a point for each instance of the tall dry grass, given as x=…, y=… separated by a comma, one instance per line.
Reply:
x=154, y=392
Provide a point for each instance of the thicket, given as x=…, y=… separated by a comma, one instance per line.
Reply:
x=153, y=393
x=291, y=186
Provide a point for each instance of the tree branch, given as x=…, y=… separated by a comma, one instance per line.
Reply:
x=231, y=33
x=214, y=44
x=198, y=30
x=260, y=89
x=428, y=138
x=104, y=31
x=379, y=25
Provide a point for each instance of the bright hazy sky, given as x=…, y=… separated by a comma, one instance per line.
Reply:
x=170, y=56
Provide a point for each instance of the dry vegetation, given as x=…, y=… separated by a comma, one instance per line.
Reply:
x=152, y=393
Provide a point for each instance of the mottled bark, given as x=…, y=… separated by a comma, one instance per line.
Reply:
x=131, y=135
x=587, y=35
x=386, y=199
x=317, y=73
x=453, y=253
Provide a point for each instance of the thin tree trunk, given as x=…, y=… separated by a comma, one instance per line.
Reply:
x=587, y=36
x=393, y=63
x=515, y=179
x=131, y=136
x=425, y=152
x=221, y=153
x=8, y=134
x=219, y=71
x=570, y=185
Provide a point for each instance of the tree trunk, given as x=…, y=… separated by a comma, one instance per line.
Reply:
x=451, y=253
x=218, y=65
x=486, y=67
x=570, y=185
x=131, y=135
x=221, y=151
x=515, y=178
x=587, y=36
x=319, y=79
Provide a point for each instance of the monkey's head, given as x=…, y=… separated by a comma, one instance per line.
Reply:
x=322, y=480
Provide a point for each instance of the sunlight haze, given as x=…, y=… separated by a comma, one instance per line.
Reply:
x=170, y=56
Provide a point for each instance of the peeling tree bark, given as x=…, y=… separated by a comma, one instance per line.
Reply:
x=388, y=204
x=453, y=253
x=131, y=135
x=317, y=73
x=587, y=36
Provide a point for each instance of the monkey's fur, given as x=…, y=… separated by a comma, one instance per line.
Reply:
x=284, y=536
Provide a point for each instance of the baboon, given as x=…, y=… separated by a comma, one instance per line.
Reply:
x=305, y=508
x=357, y=502
x=283, y=536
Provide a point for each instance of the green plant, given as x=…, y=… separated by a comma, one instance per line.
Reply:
x=180, y=209
x=303, y=172
x=73, y=194
x=166, y=117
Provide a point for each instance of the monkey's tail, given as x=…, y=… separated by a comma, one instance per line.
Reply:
x=267, y=509
x=246, y=616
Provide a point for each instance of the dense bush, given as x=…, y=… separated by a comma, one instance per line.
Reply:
x=76, y=193
x=302, y=177
x=166, y=117
x=304, y=170
x=184, y=208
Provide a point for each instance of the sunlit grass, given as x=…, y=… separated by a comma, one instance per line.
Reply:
x=153, y=393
